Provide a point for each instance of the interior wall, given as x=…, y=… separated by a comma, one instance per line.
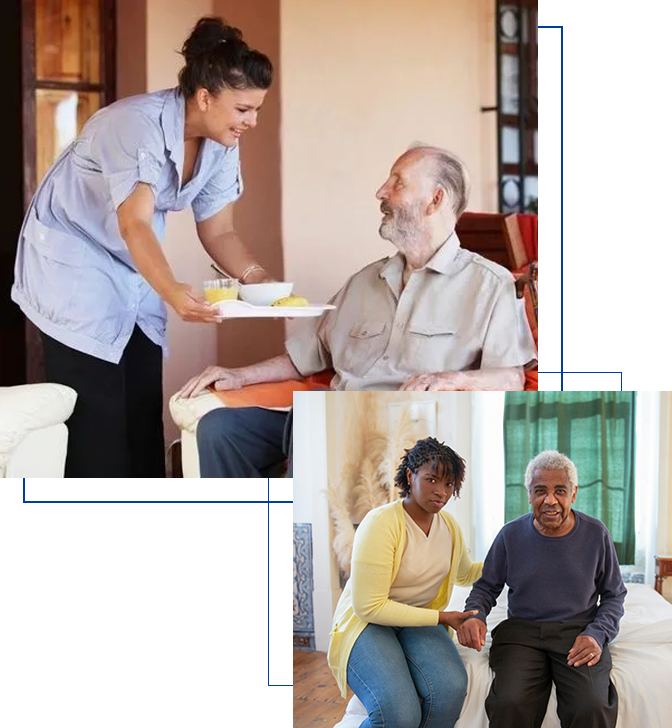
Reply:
x=361, y=81
x=258, y=212
x=664, y=540
x=131, y=34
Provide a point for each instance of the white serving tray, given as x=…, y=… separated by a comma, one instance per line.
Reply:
x=241, y=309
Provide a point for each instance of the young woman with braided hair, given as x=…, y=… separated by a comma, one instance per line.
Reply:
x=390, y=640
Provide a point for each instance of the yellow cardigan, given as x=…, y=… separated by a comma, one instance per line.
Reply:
x=376, y=557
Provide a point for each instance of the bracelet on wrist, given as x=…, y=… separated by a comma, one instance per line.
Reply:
x=248, y=270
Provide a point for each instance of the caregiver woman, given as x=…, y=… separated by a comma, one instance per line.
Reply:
x=90, y=273
x=390, y=639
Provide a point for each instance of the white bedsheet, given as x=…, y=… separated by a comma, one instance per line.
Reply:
x=641, y=658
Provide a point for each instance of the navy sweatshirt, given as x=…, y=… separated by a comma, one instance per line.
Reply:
x=554, y=578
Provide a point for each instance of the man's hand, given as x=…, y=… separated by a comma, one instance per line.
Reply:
x=220, y=377
x=585, y=650
x=508, y=378
x=455, y=619
x=434, y=382
x=471, y=633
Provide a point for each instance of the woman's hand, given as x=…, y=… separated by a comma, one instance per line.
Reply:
x=455, y=619
x=219, y=376
x=189, y=306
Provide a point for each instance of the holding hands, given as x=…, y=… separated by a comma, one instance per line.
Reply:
x=455, y=619
x=472, y=633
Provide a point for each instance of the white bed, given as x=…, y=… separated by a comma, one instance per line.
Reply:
x=641, y=657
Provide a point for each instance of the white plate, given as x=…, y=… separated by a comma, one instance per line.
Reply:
x=240, y=309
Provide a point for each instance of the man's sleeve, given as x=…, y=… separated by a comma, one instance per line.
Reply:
x=485, y=591
x=308, y=347
x=612, y=593
x=508, y=340
x=287, y=448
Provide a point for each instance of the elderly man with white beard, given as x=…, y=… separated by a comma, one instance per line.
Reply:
x=434, y=316
x=431, y=317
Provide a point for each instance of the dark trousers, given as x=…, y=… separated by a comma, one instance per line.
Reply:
x=245, y=442
x=525, y=657
x=288, y=446
x=116, y=429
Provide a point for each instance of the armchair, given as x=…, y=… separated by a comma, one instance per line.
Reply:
x=186, y=413
x=33, y=434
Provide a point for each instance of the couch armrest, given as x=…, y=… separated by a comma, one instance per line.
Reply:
x=28, y=407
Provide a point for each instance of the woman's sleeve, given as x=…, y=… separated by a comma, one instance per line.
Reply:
x=372, y=563
x=468, y=571
x=224, y=187
x=129, y=149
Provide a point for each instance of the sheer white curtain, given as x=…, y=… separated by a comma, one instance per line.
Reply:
x=647, y=457
x=487, y=469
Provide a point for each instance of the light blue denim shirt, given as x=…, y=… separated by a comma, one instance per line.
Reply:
x=74, y=277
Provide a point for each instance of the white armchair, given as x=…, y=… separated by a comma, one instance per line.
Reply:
x=33, y=436
x=186, y=413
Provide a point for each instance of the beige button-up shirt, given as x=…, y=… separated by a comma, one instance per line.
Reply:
x=458, y=312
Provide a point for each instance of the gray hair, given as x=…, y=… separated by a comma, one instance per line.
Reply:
x=449, y=172
x=551, y=460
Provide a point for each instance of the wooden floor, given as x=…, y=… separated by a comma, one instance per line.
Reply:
x=317, y=699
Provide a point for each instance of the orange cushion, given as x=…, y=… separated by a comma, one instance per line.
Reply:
x=273, y=395
x=532, y=379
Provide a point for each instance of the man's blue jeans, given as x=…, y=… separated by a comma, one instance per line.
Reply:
x=243, y=442
x=391, y=668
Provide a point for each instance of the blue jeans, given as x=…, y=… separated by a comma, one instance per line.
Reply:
x=391, y=668
x=245, y=442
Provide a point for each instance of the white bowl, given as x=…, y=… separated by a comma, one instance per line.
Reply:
x=264, y=294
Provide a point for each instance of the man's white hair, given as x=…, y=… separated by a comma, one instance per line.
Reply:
x=450, y=172
x=551, y=460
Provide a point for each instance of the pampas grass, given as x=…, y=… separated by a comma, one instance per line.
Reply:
x=366, y=480
x=368, y=492
x=343, y=527
x=402, y=438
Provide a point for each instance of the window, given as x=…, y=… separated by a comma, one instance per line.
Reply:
x=68, y=53
x=597, y=431
x=517, y=105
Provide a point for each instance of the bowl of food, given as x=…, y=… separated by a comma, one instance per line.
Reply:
x=265, y=294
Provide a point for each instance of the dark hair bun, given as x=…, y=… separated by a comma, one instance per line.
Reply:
x=206, y=36
x=217, y=57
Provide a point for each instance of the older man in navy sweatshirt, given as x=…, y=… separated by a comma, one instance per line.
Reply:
x=565, y=604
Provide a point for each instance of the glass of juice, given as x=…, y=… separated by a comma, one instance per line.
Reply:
x=220, y=289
